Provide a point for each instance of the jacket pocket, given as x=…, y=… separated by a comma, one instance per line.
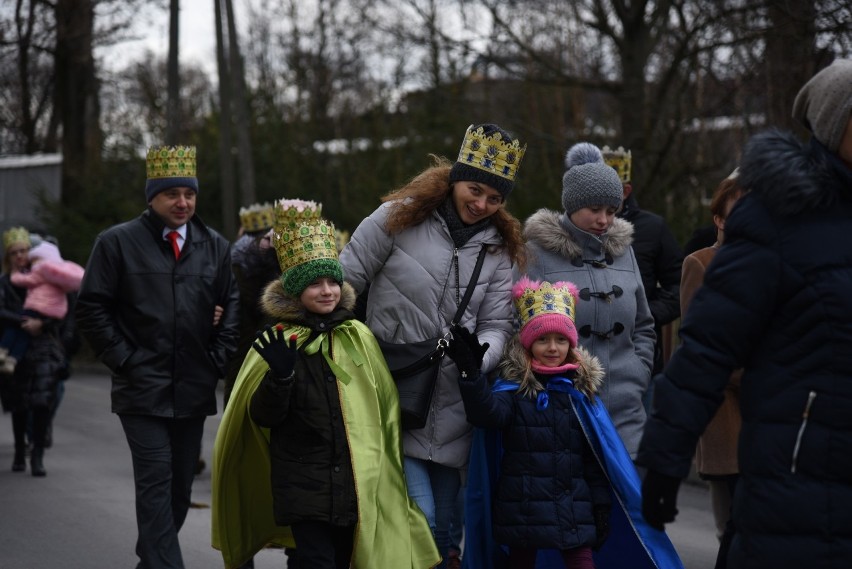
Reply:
x=802, y=427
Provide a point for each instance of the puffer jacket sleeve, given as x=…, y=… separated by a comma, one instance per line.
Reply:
x=494, y=317
x=95, y=308
x=726, y=319
x=367, y=250
x=483, y=407
x=643, y=329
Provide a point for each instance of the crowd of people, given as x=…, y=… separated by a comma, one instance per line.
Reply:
x=543, y=357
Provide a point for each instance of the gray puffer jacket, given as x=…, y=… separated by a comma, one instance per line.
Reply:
x=613, y=319
x=413, y=296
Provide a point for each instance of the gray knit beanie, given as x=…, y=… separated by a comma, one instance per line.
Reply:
x=824, y=104
x=588, y=181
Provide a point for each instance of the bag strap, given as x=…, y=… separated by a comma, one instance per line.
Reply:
x=469, y=291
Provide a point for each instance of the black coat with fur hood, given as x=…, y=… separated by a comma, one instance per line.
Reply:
x=550, y=480
x=312, y=477
x=777, y=301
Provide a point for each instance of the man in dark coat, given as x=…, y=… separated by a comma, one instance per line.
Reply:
x=776, y=301
x=657, y=252
x=159, y=306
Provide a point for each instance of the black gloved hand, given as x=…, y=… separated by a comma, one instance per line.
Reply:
x=659, y=498
x=278, y=353
x=601, y=514
x=466, y=351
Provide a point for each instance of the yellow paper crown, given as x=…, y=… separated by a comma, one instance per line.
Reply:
x=532, y=299
x=257, y=217
x=489, y=152
x=170, y=162
x=621, y=160
x=16, y=235
x=300, y=234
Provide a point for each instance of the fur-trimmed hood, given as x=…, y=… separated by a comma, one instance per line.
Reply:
x=280, y=306
x=588, y=377
x=791, y=177
x=547, y=229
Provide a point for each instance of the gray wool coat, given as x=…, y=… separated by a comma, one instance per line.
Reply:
x=613, y=320
x=413, y=296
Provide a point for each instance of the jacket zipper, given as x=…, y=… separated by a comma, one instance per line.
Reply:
x=454, y=262
x=805, y=414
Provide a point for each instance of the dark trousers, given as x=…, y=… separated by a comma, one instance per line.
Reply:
x=323, y=546
x=579, y=558
x=730, y=528
x=165, y=455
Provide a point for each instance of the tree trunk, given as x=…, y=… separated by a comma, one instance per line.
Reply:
x=76, y=96
x=173, y=126
x=241, y=113
x=226, y=163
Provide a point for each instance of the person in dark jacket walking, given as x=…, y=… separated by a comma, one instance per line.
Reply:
x=657, y=252
x=775, y=301
x=152, y=289
x=30, y=392
x=316, y=380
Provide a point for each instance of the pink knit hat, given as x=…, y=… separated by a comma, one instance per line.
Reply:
x=545, y=308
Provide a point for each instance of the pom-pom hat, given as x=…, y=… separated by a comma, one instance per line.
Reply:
x=545, y=308
x=305, y=245
x=488, y=155
x=588, y=181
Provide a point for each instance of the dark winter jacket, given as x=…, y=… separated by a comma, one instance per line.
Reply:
x=312, y=478
x=149, y=317
x=776, y=301
x=659, y=258
x=550, y=480
x=34, y=382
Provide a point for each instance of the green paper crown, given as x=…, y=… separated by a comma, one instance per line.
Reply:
x=170, y=162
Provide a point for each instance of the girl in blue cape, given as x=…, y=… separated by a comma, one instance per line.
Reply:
x=550, y=483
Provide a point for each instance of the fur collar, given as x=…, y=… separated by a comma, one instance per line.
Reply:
x=790, y=177
x=545, y=228
x=588, y=378
x=282, y=307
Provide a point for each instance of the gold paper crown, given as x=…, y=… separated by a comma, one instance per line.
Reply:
x=489, y=152
x=257, y=217
x=547, y=298
x=170, y=162
x=300, y=234
x=621, y=160
x=16, y=235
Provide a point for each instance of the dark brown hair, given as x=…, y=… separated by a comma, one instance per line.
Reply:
x=728, y=190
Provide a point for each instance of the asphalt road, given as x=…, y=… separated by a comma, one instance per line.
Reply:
x=81, y=515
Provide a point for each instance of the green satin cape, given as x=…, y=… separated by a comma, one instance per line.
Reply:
x=392, y=531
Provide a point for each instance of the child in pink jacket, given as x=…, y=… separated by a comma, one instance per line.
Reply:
x=48, y=282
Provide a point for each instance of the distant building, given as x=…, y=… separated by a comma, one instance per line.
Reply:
x=23, y=180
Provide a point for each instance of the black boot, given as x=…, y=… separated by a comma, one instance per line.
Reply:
x=19, y=463
x=36, y=464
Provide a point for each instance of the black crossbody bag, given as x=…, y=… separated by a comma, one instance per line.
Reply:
x=415, y=366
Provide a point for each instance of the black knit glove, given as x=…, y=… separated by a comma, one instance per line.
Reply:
x=278, y=353
x=601, y=514
x=466, y=351
x=659, y=498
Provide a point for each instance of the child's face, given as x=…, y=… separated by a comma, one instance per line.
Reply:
x=551, y=350
x=321, y=296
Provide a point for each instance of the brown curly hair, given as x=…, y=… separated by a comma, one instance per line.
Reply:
x=420, y=196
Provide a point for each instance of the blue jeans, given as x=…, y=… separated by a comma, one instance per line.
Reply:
x=434, y=489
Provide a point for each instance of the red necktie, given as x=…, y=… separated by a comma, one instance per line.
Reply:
x=173, y=237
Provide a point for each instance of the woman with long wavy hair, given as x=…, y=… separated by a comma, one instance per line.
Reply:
x=417, y=253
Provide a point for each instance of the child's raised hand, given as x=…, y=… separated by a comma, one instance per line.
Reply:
x=279, y=353
x=466, y=351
